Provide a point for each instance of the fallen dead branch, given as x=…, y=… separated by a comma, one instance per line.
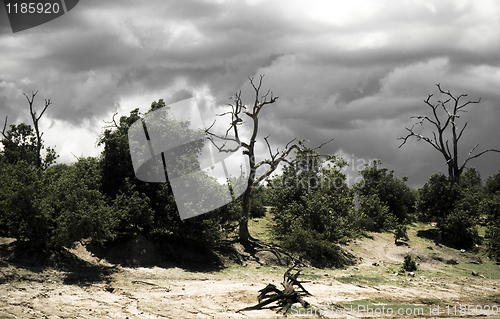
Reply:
x=293, y=292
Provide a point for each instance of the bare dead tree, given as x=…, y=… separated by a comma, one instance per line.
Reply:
x=36, y=118
x=112, y=123
x=449, y=122
x=232, y=134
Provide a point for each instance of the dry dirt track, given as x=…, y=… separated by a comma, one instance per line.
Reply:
x=173, y=292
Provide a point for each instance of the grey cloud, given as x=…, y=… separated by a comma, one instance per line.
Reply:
x=358, y=83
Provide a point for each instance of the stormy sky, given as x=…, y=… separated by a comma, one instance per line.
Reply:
x=355, y=71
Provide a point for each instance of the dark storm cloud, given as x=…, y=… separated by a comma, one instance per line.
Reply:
x=355, y=71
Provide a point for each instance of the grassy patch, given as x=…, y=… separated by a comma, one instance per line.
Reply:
x=370, y=279
x=311, y=276
x=261, y=227
x=463, y=270
x=431, y=301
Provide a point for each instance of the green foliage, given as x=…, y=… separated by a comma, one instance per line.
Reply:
x=150, y=208
x=259, y=198
x=22, y=216
x=76, y=206
x=490, y=207
x=312, y=245
x=436, y=198
x=376, y=214
x=385, y=199
x=54, y=208
x=313, y=209
x=400, y=233
x=455, y=207
x=19, y=144
x=409, y=264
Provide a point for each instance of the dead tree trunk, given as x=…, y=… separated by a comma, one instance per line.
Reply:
x=36, y=119
x=442, y=124
x=275, y=158
x=285, y=298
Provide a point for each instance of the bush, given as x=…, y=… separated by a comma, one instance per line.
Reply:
x=410, y=264
x=150, y=208
x=377, y=216
x=490, y=208
x=385, y=199
x=312, y=246
x=257, y=209
x=56, y=207
x=400, y=232
x=21, y=211
x=454, y=207
x=314, y=210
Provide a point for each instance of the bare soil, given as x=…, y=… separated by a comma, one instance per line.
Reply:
x=132, y=280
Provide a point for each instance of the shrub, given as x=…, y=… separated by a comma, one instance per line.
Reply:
x=400, y=232
x=490, y=207
x=410, y=264
x=454, y=207
x=377, y=216
x=391, y=191
x=258, y=201
x=314, y=210
x=56, y=207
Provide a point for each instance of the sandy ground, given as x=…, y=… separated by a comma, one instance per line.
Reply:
x=172, y=292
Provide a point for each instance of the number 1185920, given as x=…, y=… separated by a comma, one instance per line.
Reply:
x=27, y=8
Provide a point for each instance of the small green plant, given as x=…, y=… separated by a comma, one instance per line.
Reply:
x=400, y=233
x=410, y=264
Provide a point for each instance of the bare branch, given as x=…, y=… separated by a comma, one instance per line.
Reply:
x=112, y=123
x=449, y=152
x=47, y=103
x=470, y=156
x=4, y=126
x=323, y=144
x=420, y=137
x=467, y=103
x=276, y=161
x=462, y=131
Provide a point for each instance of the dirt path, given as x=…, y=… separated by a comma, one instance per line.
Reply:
x=173, y=292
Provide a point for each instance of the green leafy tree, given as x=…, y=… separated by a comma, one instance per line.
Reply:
x=384, y=198
x=490, y=207
x=54, y=208
x=20, y=144
x=376, y=214
x=22, y=215
x=77, y=207
x=453, y=206
x=313, y=209
x=150, y=208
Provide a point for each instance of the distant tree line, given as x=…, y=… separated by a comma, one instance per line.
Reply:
x=49, y=206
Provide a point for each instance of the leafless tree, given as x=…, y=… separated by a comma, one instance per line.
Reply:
x=232, y=135
x=35, y=118
x=451, y=107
